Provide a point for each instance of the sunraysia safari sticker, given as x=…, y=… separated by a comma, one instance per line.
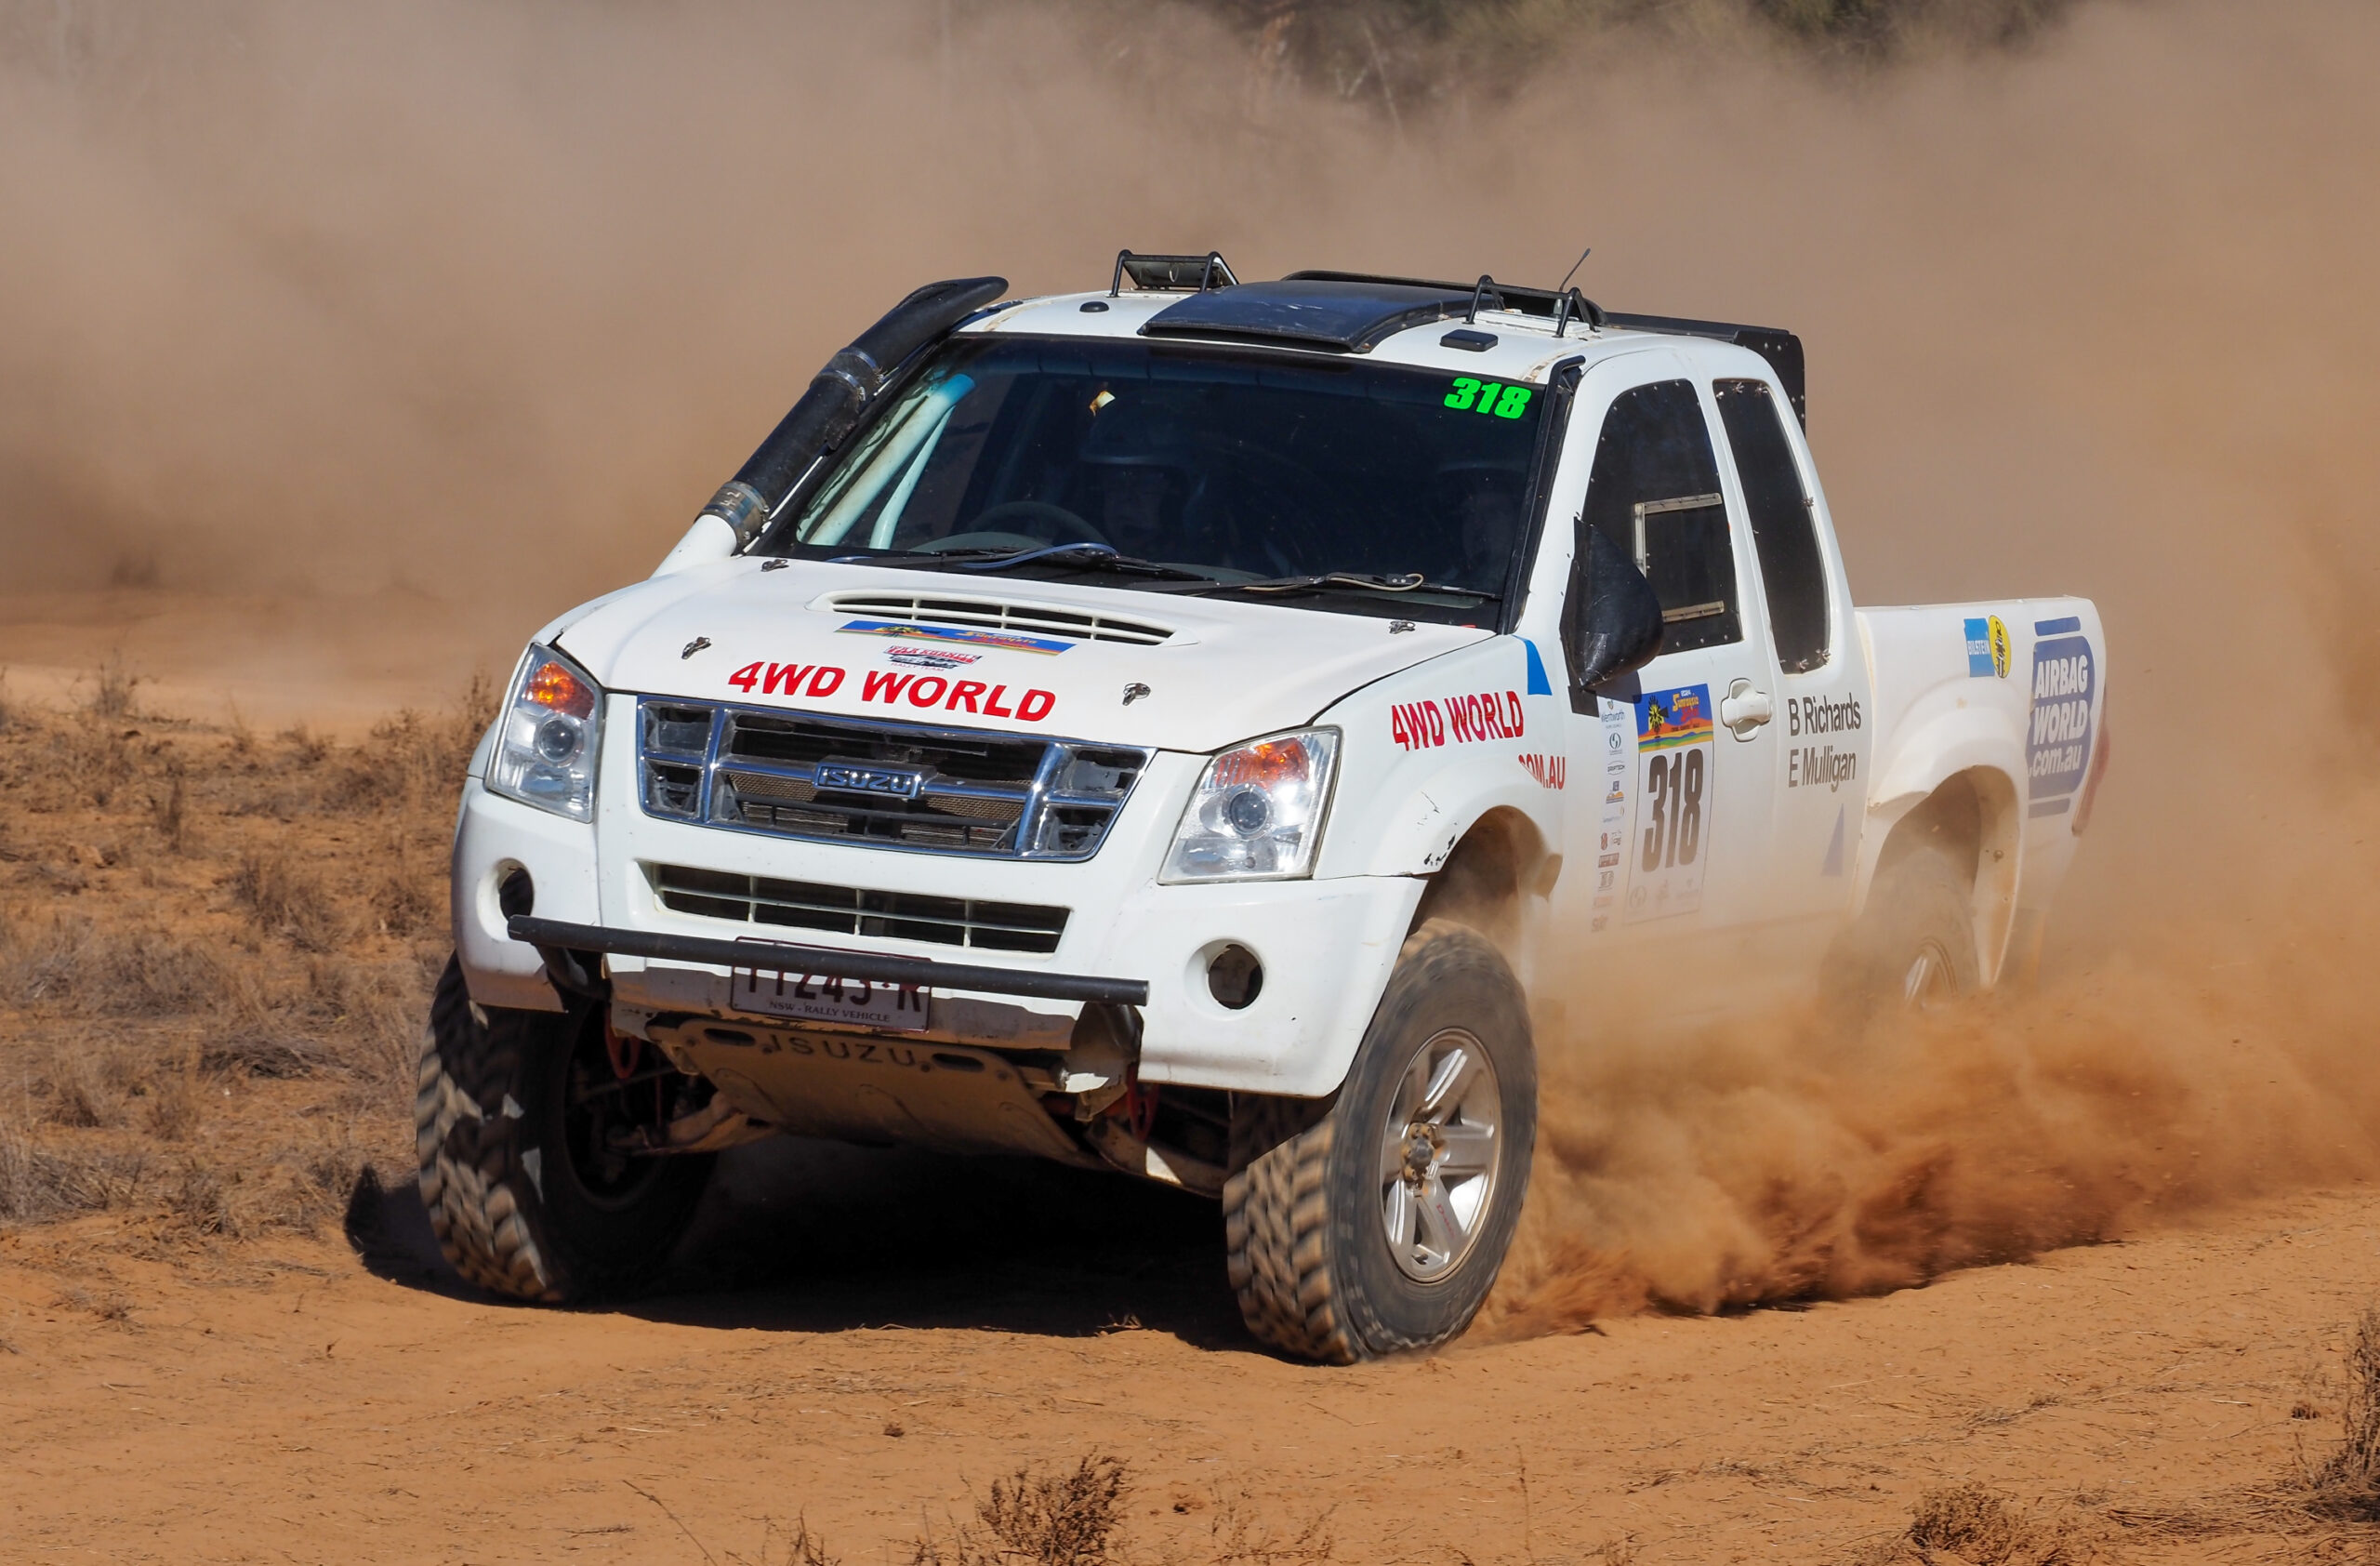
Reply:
x=1669, y=842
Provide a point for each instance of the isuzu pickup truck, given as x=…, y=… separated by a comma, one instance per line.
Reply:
x=1191, y=729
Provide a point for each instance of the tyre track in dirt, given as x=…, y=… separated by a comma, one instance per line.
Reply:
x=294, y=1401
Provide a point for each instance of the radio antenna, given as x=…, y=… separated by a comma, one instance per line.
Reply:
x=1574, y=267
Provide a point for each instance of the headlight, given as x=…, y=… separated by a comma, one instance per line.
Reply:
x=549, y=737
x=1257, y=814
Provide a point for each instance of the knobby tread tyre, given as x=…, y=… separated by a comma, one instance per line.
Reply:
x=1299, y=1224
x=1272, y=1218
x=495, y=1176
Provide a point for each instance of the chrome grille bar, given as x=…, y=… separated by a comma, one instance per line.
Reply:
x=891, y=785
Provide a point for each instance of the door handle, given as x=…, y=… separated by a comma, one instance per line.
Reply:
x=1744, y=709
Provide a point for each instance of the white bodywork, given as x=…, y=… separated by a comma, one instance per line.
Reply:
x=1442, y=726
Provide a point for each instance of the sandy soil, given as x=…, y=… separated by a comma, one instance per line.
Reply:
x=301, y=1401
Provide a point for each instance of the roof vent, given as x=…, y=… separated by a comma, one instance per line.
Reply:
x=992, y=613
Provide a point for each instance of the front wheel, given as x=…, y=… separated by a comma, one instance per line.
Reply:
x=1379, y=1223
x=515, y=1115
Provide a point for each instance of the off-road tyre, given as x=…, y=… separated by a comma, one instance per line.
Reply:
x=508, y=1207
x=1919, y=912
x=1306, y=1250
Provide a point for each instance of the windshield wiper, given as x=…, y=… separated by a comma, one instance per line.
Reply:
x=1087, y=555
x=1083, y=554
x=1408, y=581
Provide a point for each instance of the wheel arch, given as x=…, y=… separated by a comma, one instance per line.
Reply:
x=1495, y=880
x=1975, y=820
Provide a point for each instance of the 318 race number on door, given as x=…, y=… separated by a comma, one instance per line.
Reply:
x=1671, y=842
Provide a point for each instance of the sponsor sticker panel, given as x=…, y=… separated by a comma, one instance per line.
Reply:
x=2057, y=734
x=1669, y=842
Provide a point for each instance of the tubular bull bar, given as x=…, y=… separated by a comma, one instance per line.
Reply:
x=560, y=943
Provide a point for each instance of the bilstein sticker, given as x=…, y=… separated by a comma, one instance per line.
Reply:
x=1987, y=648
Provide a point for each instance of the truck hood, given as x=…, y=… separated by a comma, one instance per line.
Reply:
x=965, y=651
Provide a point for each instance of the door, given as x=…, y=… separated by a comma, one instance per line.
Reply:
x=1675, y=836
x=1820, y=685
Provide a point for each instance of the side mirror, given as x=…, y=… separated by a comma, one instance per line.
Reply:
x=1612, y=622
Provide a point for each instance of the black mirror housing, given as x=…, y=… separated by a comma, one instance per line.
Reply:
x=1611, y=622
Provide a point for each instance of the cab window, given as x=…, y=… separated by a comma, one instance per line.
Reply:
x=1654, y=491
x=1793, y=569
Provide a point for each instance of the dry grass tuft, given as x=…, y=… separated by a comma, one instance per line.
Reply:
x=1058, y=1517
x=2345, y=1485
x=1975, y=1524
x=290, y=899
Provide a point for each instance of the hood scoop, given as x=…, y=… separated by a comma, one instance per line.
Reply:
x=993, y=614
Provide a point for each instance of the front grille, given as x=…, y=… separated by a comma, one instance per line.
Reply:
x=883, y=785
x=1030, y=619
x=850, y=911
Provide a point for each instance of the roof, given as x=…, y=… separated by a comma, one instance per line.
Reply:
x=1353, y=316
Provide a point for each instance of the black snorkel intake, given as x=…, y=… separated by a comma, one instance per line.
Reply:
x=838, y=396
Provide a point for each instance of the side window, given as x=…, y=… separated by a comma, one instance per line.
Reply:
x=1792, y=570
x=1654, y=491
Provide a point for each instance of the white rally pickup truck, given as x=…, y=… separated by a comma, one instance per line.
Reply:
x=1181, y=729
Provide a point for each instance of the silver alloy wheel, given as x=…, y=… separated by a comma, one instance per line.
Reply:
x=1437, y=1154
x=1928, y=980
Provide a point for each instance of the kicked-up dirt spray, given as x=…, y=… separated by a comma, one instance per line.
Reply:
x=447, y=316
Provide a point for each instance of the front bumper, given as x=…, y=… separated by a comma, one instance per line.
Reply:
x=1326, y=946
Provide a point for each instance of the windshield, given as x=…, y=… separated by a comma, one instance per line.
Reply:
x=1237, y=472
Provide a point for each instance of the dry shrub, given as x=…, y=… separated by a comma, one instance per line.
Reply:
x=404, y=902
x=80, y=1094
x=112, y=691
x=39, y=1183
x=1237, y=1540
x=2346, y=1484
x=1973, y=1524
x=172, y=811
x=141, y=972
x=1057, y=1516
x=170, y=1111
x=290, y=899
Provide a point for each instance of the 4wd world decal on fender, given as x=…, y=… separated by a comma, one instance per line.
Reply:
x=1463, y=719
x=2057, y=736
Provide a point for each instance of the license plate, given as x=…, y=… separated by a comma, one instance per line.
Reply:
x=900, y=1008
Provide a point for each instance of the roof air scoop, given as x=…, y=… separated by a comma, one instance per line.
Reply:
x=1171, y=274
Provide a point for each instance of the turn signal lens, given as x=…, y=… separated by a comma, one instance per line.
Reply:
x=1268, y=764
x=552, y=684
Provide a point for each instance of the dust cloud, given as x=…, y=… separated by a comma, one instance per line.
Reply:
x=404, y=326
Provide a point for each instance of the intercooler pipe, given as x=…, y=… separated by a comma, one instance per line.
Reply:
x=837, y=397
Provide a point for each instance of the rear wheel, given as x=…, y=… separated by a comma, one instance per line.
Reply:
x=515, y=1121
x=1378, y=1222
x=1914, y=948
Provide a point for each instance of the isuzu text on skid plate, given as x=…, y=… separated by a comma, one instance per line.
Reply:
x=1160, y=728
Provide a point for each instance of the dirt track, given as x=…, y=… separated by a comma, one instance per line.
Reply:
x=308, y=1401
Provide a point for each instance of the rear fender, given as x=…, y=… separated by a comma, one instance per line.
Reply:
x=1947, y=741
